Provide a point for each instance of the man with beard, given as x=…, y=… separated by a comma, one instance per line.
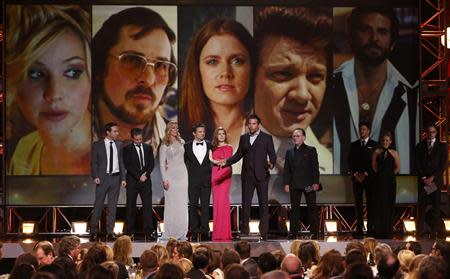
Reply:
x=133, y=66
x=369, y=88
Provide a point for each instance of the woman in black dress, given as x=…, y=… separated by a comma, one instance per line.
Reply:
x=385, y=163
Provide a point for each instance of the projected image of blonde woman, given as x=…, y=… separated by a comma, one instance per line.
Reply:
x=48, y=90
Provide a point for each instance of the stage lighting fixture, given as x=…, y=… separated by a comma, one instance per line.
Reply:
x=160, y=227
x=28, y=241
x=118, y=227
x=448, y=38
x=365, y=225
x=410, y=225
x=331, y=226
x=28, y=227
x=447, y=224
x=211, y=225
x=79, y=227
x=254, y=226
x=288, y=225
x=331, y=238
x=410, y=238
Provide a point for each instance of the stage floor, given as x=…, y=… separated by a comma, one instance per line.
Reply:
x=14, y=247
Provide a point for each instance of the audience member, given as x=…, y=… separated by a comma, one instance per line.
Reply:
x=308, y=255
x=236, y=271
x=276, y=274
x=42, y=275
x=359, y=271
x=433, y=267
x=53, y=269
x=230, y=256
x=388, y=266
x=96, y=255
x=44, y=252
x=369, y=246
x=69, y=246
x=123, y=249
x=171, y=247
x=113, y=267
x=161, y=252
x=266, y=263
x=186, y=265
x=244, y=249
x=99, y=272
x=279, y=257
x=169, y=271
x=292, y=266
x=22, y=271
x=200, y=260
x=149, y=264
x=295, y=246
x=215, y=265
x=329, y=265
x=405, y=258
x=27, y=258
x=414, y=246
x=184, y=249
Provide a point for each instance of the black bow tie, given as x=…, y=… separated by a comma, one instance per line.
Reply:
x=199, y=143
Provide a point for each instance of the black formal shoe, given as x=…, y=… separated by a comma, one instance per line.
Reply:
x=111, y=237
x=93, y=237
x=292, y=236
x=205, y=236
x=194, y=237
x=151, y=236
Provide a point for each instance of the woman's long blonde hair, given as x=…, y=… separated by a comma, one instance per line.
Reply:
x=30, y=30
x=122, y=250
x=166, y=139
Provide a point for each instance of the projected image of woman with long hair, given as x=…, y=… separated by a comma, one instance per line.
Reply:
x=48, y=89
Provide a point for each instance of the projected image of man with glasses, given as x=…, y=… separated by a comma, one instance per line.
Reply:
x=133, y=65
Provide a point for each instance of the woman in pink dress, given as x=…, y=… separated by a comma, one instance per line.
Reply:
x=220, y=184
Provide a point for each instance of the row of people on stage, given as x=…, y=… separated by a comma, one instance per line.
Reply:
x=373, y=168
x=192, y=170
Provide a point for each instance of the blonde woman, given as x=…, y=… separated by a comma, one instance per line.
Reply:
x=48, y=89
x=161, y=253
x=122, y=249
x=175, y=183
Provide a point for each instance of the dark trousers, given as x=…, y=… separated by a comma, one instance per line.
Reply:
x=422, y=202
x=199, y=223
x=110, y=185
x=358, y=191
x=248, y=188
x=144, y=189
x=294, y=218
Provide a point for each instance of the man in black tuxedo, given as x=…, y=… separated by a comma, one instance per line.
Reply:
x=196, y=157
x=254, y=147
x=139, y=163
x=360, y=168
x=108, y=173
x=301, y=175
x=431, y=162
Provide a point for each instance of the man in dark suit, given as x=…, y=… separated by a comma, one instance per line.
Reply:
x=196, y=157
x=108, y=173
x=244, y=250
x=360, y=168
x=431, y=162
x=301, y=175
x=200, y=261
x=149, y=264
x=139, y=163
x=254, y=147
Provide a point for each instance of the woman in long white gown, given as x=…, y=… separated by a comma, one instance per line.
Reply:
x=175, y=182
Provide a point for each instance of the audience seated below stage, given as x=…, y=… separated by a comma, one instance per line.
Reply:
x=181, y=259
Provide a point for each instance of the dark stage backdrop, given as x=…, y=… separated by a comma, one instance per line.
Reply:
x=63, y=83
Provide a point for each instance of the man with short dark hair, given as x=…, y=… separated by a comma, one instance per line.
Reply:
x=360, y=169
x=266, y=263
x=149, y=264
x=432, y=267
x=138, y=161
x=108, y=173
x=256, y=147
x=184, y=248
x=369, y=88
x=244, y=249
x=196, y=158
x=431, y=162
x=200, y=261
x=133, y=68
x=301, y=176
x=388, y=266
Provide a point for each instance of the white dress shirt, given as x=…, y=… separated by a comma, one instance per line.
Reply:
x=115, y=157
x=199, y=150
x=253, y=137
